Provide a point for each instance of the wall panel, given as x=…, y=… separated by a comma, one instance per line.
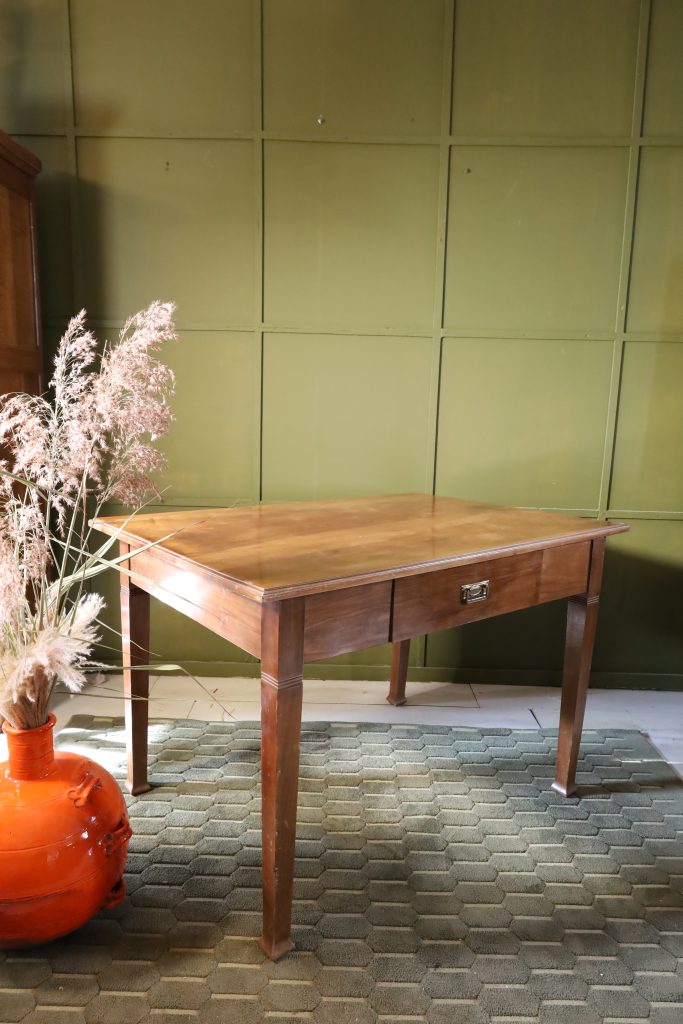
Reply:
x=55, y=241
x=663, y=106
x=350, y=235
x=168, y=218
x=188, y=67
x=34, y=65
x=536, y=68
x=345, y=416
x=367, y=68
x=210, y=447
x=656, y=298
x=649, y=442
x=518, y=421
x=523, y=250
x=642, y=604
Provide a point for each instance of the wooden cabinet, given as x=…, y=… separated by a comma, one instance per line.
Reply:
x=21, y=357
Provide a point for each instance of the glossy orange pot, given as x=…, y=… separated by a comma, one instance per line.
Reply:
x=63, y=839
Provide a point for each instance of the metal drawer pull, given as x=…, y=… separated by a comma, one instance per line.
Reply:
x=470, y=593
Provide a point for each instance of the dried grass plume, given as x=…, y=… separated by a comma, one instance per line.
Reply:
x=89, y=441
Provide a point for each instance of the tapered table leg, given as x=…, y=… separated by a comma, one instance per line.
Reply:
x=400, y=653
x=582, y=617
x=135, y=634
x=282, y=634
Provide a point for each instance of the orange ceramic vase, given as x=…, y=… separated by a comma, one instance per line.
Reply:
x=63, y=839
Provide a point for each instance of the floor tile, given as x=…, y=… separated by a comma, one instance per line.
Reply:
x=171, y=708
x=498, y=693
x=180, y=687
x=65, y=706
x=209, y=711
x=670, y=749
x=408, y=715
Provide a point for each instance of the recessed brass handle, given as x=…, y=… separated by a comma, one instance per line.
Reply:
x=471, y=593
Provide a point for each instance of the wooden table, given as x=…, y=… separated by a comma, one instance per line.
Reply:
x=300, y=582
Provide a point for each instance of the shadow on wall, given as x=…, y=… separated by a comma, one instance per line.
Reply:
x=28, y=109
x=640, y=634
x=14, y=31
x=641, y=622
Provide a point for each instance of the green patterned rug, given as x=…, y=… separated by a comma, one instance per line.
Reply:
x=438, y=878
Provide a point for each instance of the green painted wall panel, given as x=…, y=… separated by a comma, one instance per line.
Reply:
x=649, y=443
x=641, y=608
x=367, y=68
x=664, y=92
x=534, y=238
x=54, y=226
x=656, y=296
x=531, y=640
x=530, y=67
x=168, y=219
x=210, y=447
x=345, y=416
x=179, y=640
x=163, y=65
x=377, y=656
x=525, y=432
x=350, y=235
x=34, y=66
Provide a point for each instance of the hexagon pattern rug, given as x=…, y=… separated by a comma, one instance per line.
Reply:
x=438, y=878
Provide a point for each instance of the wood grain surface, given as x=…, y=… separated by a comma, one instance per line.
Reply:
x=271, y=552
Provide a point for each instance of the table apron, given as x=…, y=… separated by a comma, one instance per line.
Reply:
x=229, y=615
x=355, y=618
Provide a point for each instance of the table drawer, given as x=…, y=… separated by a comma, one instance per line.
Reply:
x=466, y=593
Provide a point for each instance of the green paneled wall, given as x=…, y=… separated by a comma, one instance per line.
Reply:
x=428, y=245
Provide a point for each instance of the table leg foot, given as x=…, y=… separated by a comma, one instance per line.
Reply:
x=563, y=790
x=276, y=950
x=136, y=789
x=400, y=652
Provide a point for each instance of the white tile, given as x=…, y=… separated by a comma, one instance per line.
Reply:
x=225, y=689
x=109, y=681
x=500, y=694
x=65, y=707
x=458, y=695
x=172, y=708
x=179, y=687
x=343, y=691
x=209, y=711
x=410, y=715
x=548, y=714
x=328, y=691
x=670, y=749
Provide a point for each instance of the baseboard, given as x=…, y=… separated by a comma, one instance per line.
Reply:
x=502, y=676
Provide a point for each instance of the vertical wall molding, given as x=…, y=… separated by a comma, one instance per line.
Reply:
x=621, y=313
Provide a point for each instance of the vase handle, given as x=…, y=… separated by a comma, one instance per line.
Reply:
x=81, y=793
x=115, y=895
x=113, y=840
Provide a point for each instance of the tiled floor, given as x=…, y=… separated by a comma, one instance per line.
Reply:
x=658, y=715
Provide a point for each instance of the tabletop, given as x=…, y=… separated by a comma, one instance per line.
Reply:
x=292, y=550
